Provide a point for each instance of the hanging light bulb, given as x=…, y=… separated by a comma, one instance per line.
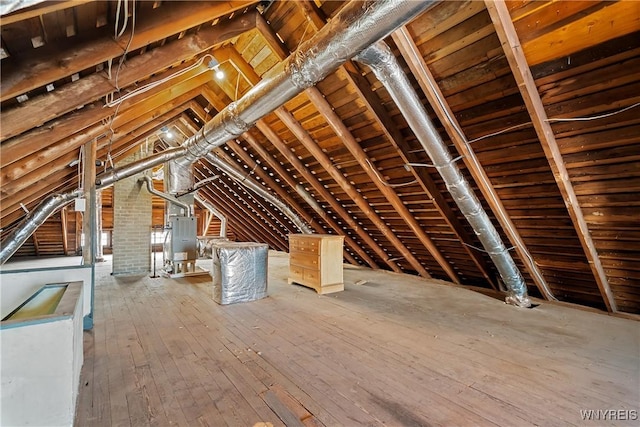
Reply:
x=219, y=74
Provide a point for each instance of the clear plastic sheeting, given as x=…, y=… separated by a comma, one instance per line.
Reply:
x=239, y=272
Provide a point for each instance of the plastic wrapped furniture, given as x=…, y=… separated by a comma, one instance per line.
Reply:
x=239, y=271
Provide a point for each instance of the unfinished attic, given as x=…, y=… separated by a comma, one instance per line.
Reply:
x=320, y=213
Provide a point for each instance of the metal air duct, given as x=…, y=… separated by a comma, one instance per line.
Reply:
x=387, y=69
x=147, y=179
x=223, y=219
x=251, y=184
x=358, y=25
x=33, y=220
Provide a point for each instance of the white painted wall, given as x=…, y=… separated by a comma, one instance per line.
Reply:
x=40, y=374
x=17, y=286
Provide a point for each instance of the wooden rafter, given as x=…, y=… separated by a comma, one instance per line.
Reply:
x=367, y=164
x=434, y=95
x=43, y=108
x=522, y=73
x=314, y=149
x=43, y=69
x=421, y=175
x=322, y=192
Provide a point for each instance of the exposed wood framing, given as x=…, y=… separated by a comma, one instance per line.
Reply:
x=41, y=109
x=171, y=20
x=49, y=7
x=367, y=164
x=522, y=73
x=301, y=134
x=429, y=86
x=89, y=179
x=420, y=174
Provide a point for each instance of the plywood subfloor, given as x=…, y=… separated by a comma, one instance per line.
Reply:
x=396, y=350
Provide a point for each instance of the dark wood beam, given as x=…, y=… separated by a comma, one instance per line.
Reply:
x=41, y=69
x=522, y=73
x=37, y=111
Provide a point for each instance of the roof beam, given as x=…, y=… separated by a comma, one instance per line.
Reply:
x=324, y=108
x=522, y=73
x=77, y=123
x=39, y=110
x=421, y=175
x=434, y=95
x=318, y=188
x=38, y=10
x=41, y=69
x=305, y=139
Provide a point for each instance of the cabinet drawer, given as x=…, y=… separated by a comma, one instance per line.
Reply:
x=302, y=259
x=312, y=277
x=296, y=272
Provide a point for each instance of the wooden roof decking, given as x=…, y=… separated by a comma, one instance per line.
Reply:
x=584, y=59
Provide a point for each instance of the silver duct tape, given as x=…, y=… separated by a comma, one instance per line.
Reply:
x=250, y=183
x=33, y=220
x=239, y=272
x=223, y=219
x=387, y=69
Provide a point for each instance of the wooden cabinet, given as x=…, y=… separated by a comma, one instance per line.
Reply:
x=315, y=261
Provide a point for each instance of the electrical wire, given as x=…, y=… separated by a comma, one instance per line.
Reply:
x=385, y=183
x=589, y=118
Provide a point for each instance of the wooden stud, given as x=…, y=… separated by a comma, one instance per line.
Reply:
x=427, y=82
x=522, y=73
x=63, y=227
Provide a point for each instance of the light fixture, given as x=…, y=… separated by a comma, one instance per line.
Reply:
x=215, y=66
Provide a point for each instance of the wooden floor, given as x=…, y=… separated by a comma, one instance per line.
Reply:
x=396, y=350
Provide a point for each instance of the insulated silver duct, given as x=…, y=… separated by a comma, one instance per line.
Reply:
x=358, y=25
x=33, y=220
x=387, y=69
x=223, y=219
x=147, y=180
x=251, y=184
x=178, y=178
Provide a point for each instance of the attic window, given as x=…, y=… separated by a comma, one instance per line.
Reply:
x=37, y=42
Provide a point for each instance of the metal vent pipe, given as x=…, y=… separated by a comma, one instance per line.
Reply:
x=223, y=219
x=147, y=180
x=251, y=184
x=387, y=69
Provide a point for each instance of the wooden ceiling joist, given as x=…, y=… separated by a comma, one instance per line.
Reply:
x=37, y=111
x=522, y=73
x=434, y=95
x=39, y=70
